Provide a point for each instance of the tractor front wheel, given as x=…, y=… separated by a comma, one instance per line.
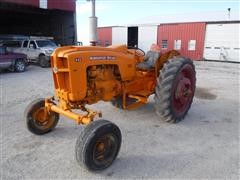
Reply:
x=98, y=145
x=38, y=120
x=175, y=89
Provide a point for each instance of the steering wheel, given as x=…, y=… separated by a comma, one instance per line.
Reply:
x=138, y=51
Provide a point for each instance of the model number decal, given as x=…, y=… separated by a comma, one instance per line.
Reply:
x=102, y=57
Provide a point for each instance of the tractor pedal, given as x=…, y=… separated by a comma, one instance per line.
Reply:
x=140, y=101
x=135, y=105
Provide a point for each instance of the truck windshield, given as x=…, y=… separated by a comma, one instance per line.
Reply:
x=44, y=43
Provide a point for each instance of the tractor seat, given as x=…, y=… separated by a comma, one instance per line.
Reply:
x=149, y=61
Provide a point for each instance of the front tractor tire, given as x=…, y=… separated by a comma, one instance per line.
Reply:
x=37, y=120
x=98, y=145
x=175, y=89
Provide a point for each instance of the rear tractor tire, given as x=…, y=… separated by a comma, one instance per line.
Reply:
x=37, y=121
x=175, y=89
x=98, y=145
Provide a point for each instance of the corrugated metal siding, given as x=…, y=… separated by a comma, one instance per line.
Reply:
x=105, y=35
x=184, y=32
x=68, y=5
x=24, y=2
x=147, y=35
x=119, y=35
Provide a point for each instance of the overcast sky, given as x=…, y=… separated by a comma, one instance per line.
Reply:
x=121, y=12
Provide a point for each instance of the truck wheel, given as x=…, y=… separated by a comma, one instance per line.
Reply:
x=175, y=89
x=37, y=122
x=19, y=65
x=44, y=61
x=98, y=145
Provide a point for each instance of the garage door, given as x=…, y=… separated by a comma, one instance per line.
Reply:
x=119, y=35
x=147, y=35
x=222, y=42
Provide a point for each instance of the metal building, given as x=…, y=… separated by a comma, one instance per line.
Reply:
x=105, y=36
x=147, y=36
x=55, y=18
x=188, y=38
x=210, y=35
x=134, y=36
x=119, y=35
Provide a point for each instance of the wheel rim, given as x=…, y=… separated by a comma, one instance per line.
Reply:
x=183, y=90
x=105, y=150
x=42, y=119
x=20, y=65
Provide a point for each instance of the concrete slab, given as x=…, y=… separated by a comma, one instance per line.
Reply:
x=204, y=145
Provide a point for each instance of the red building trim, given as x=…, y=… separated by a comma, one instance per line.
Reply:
x=184, y=32
x=34, y=3
x=105, y=35
x=68, y=5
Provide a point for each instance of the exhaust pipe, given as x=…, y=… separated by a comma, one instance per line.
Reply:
x=93, y=25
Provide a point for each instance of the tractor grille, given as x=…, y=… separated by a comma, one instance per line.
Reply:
x=60, y=74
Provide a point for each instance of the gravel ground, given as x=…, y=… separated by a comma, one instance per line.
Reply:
x=204, y=145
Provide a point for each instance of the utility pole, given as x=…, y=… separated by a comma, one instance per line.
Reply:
x=229, y=14
x=93, y=25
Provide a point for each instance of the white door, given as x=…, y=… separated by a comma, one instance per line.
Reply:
x=222, y=42
x=119, y=35
x=147, y=35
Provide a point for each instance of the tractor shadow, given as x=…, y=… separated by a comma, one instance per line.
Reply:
x=146, y=108
x=145, y=166
x=204, y=93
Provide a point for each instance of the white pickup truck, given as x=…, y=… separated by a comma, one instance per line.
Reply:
x=37, y=50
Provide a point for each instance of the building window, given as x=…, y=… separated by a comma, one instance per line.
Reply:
x=164, y=44
x=177, y=44
x=192, y=45
x=25, y=44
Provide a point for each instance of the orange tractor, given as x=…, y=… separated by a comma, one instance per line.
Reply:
x=126, y=77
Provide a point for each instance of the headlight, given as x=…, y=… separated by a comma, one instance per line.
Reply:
x=48, y=51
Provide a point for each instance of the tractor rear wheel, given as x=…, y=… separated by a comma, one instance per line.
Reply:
x=98, y=145
x=37, y=120
x=175, y=89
